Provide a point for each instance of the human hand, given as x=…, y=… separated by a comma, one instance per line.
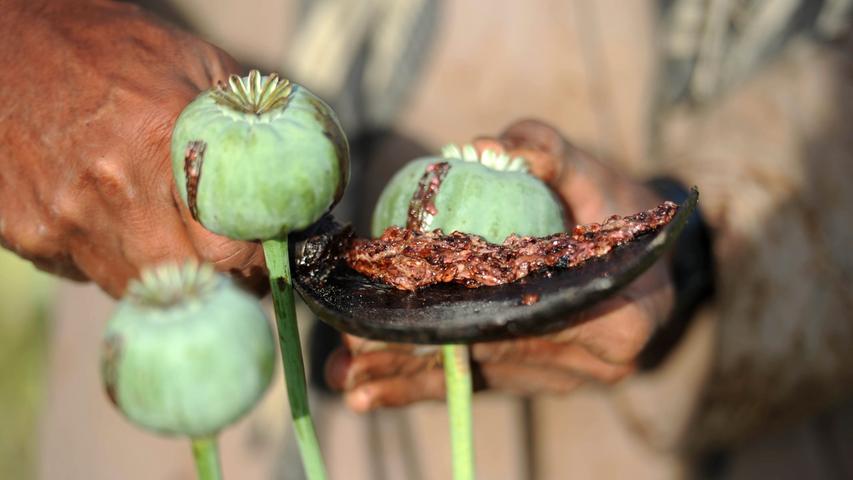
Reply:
x=601, y=347
x=90, y=96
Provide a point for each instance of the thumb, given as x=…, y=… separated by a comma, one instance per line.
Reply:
x=537, y=142
x=541, y=144
x=244, y=261
x=592, y=189
x=581, y=182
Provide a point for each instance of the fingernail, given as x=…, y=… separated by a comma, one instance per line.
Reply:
x=359, y=400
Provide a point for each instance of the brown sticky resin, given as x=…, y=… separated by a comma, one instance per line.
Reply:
x=193, y=160
x=423, y=200
x=111, y=356
x=408, y=259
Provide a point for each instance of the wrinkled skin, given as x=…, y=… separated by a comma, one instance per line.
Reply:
x=90, y=94
x=601, y=349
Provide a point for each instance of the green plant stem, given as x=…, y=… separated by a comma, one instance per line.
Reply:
x=206, y=455
x=278, y=263
x=457, y=372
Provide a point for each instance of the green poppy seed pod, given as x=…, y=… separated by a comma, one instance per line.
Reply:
x=259, y=157
x=488, y=194
x=187, y=352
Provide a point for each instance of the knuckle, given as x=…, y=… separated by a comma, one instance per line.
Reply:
x=220, y=65
x=108, y=177
x=67, y=210
x=229, y=254
x=31, y=241
x=616, y=374
x=236, y=257
x=619, y=338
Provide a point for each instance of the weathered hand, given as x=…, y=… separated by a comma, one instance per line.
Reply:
x=90, y=95
x=601, y=348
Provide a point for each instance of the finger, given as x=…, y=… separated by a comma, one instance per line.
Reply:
x=579, y=360
x=244, y=261
x=511, y=351
x=543, y=165
x=528, y=380
x=144, y=240
x=533, y=134
x=103, y=263
x=155, y=237
x=584, y=184
x=206, y=65
x=610, y=335
x=539, y=352
x=397, y=391
x=619, y=336
x=359, y=345
x=141, y=216
x=621, y=326
x=380, y=364
x=588, y=186
x=541, y=144
x=429, y=384
x=222, y=65
x=336, y=368
x=94, y=245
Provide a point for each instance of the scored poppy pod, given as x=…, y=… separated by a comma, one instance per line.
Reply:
x=488, y=194
x=259, y=157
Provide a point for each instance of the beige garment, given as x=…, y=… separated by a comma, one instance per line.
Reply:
x=775, y=159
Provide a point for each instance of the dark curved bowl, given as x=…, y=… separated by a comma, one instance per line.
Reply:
x=450, y=313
